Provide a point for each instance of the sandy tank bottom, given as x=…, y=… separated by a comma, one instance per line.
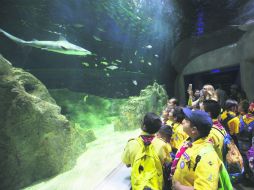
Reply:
x=100, y=158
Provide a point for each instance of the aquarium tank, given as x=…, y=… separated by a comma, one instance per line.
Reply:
x=76, y=78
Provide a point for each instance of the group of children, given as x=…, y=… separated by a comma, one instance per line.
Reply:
x=184, y=149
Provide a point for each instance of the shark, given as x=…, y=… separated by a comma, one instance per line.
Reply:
x=60, y=46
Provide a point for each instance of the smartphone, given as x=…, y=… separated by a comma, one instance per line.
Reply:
x=190, y=87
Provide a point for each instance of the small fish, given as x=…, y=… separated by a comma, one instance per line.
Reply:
x=97, y=38
x=112, y=67
x=114, y=63
x=95, y=65
x=53, y=32
x=149, y=63
x=136, y=52
x=130, y=62
x=59, y=25
x=107, y=74
x=85, y=64
x=119, y=61
x=138, y=18
x=85, y=98
x=149, y=47
x=149, y=19
x=135, y=82
x=156, y=55
x=104, y=62
x=101, y=30
x=78, y=25
x=232, y=45
x=142, y=61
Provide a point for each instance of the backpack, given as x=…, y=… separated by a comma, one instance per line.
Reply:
x=245, y=135
x=146, y=173
x=250, y=160
x=224, y=178
x=224, y=123
x=232, y=158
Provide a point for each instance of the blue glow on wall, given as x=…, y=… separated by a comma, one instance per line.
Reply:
x=215, y=71
x=200, y=22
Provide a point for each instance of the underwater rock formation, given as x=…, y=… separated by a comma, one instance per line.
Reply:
x=36, y=141
x=152, y=99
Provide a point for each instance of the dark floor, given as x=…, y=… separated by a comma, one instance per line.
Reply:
x=244, y=186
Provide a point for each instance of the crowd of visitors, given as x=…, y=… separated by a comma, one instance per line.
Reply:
x=207, y=144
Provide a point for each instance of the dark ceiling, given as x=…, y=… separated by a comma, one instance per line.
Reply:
x=209, y=25
x=205, y=16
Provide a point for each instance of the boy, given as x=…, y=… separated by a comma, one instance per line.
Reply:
x=147, y=144
x=196, y=165
x=165, y=134
x=230, y=121
x=217, y=132
x=178, y=136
